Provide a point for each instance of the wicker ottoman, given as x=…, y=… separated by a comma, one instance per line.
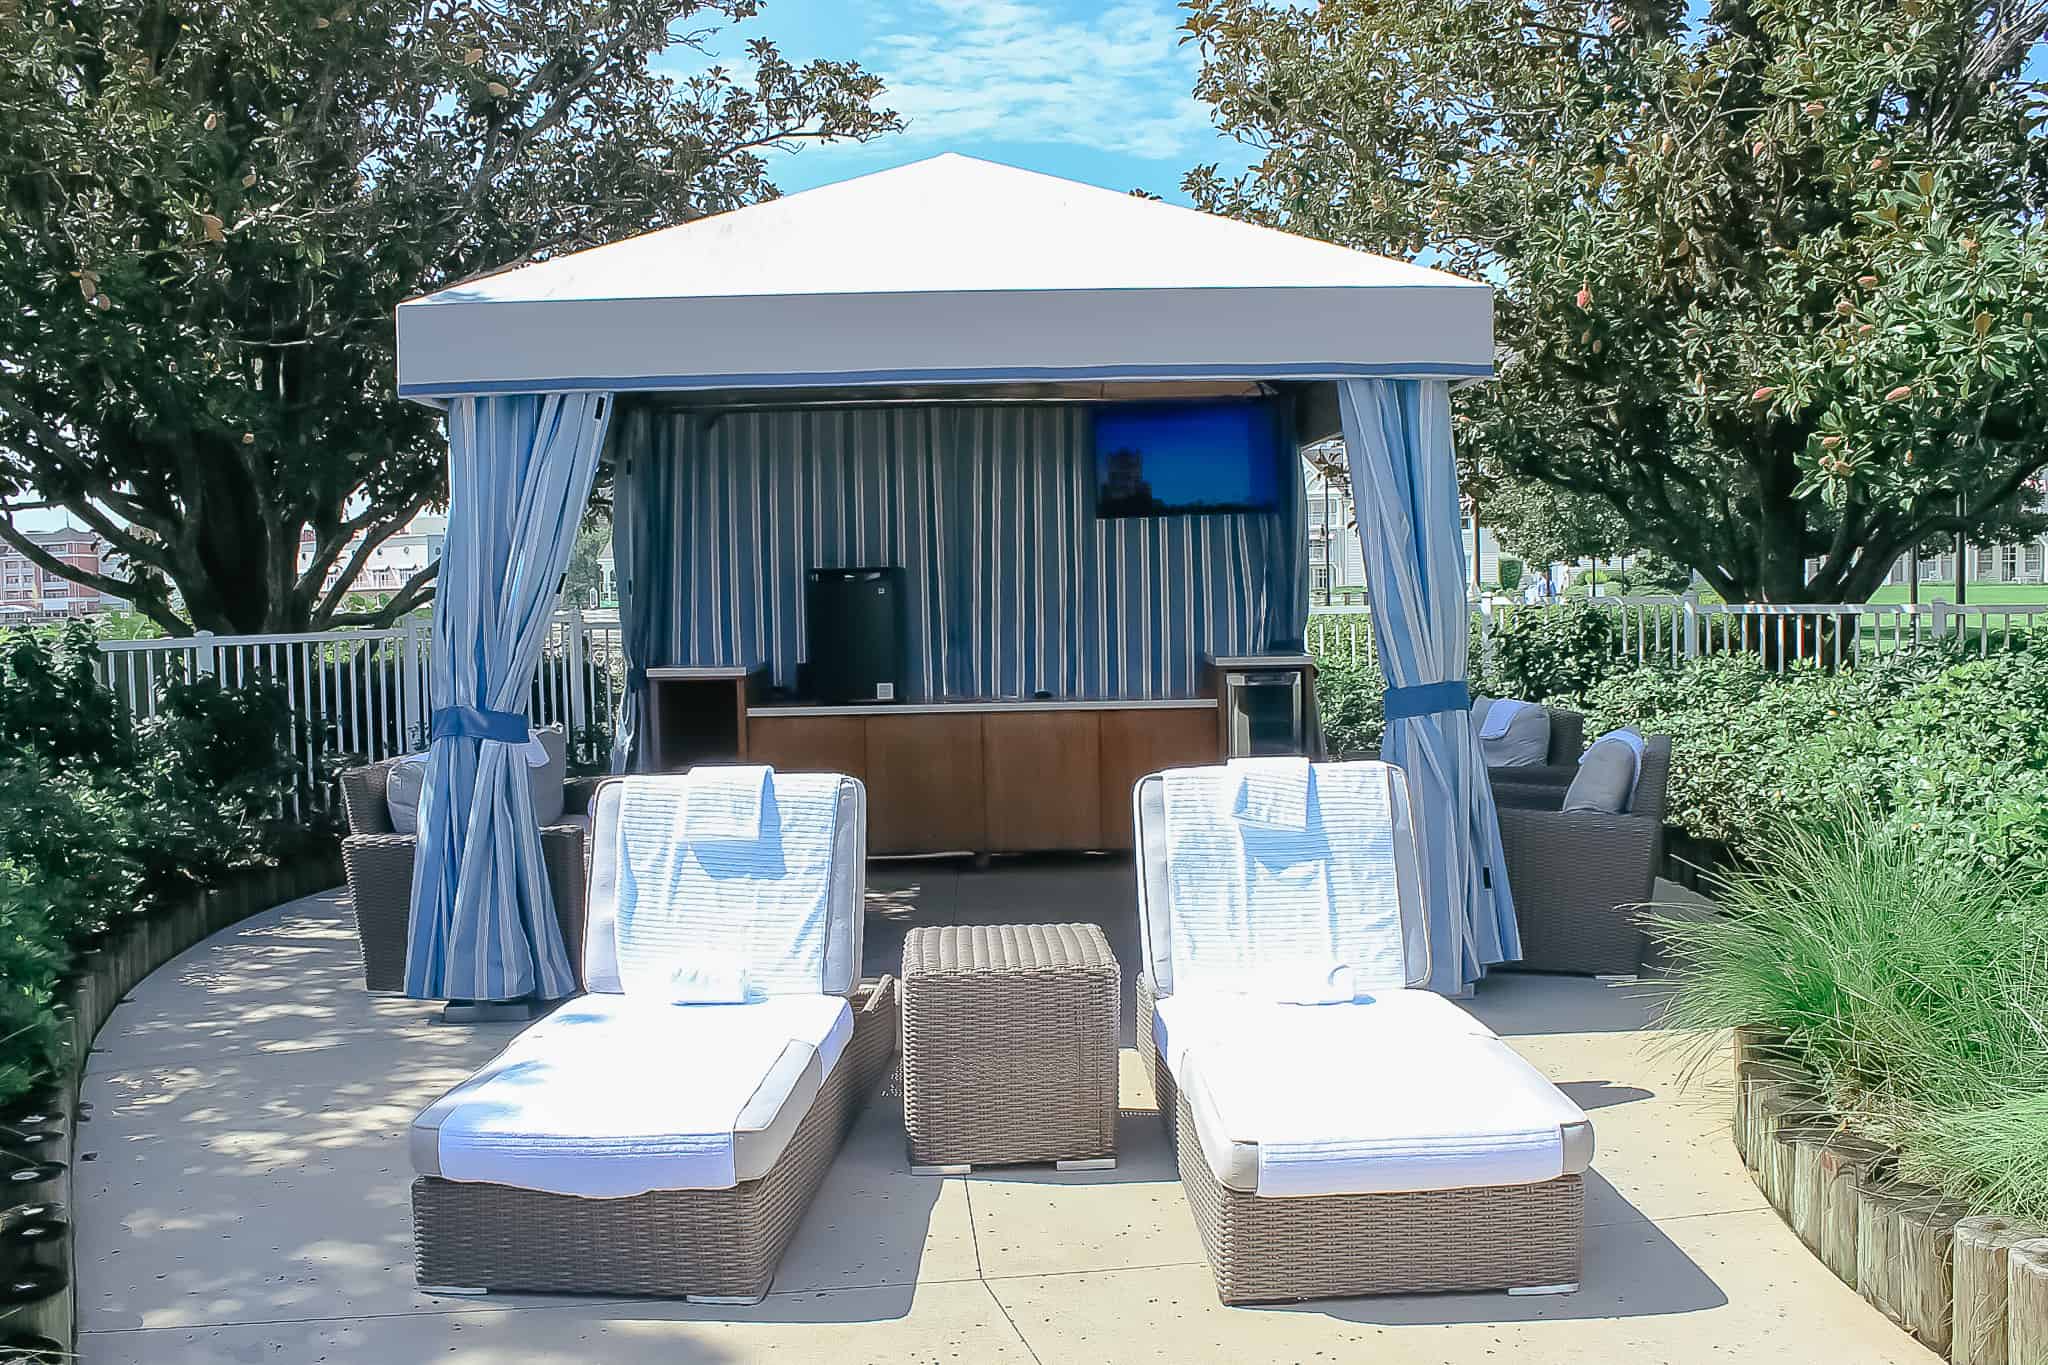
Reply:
x=1009, y=1047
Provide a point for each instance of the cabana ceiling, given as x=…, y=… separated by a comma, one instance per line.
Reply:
x=944, y=272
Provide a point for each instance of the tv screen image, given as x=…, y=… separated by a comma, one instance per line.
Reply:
x=1187, y=458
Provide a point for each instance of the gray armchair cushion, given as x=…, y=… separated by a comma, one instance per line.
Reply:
x=402, y=791
x=548, y=778
x=402, y=796
x=1606, y=780
x=1526, y=743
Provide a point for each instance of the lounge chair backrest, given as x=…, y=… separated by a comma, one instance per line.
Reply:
x=1567, y=736
x=845, y=899
x=1155, y=875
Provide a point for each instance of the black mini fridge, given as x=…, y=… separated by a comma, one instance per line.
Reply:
x=854, y=634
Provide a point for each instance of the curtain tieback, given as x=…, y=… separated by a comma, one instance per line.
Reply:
x=1427, y=699
x=472, y=722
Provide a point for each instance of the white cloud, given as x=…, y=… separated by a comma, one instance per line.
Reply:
x=1015, y=70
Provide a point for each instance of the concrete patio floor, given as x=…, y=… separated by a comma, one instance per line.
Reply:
x=243, y=1182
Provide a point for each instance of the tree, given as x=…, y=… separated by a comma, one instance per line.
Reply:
x=1768, y=274
x=210, y=212
x=583, y=584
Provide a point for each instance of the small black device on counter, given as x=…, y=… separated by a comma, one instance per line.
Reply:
x=853, y=622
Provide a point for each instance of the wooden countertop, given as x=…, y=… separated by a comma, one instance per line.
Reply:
x=957, y=708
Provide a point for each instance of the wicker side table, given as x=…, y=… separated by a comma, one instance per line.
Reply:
x=1009, y=1047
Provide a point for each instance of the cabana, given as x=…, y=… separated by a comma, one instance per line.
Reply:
x=894, y=379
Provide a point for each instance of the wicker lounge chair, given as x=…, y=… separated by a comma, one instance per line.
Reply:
x=1578, y=877
x=378, y=862
x=1444, y=1163
x=625, y=1229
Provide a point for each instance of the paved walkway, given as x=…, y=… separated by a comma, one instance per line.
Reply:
x=246, y=1199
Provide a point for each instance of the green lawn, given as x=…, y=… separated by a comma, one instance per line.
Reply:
x=1987, y=594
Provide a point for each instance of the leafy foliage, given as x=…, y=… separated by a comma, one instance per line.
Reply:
x=1771, y=278
x=100, y=820
x=1950, y=750
x=1910, y=987
x=210, y=212
x=1549, y=654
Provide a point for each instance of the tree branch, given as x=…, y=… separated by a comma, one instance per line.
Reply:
x=385, y=528
x=142, y=595
x=404, y=600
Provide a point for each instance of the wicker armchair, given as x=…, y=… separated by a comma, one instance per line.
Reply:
x=1544, y=784
x=1578, y=876
x=379, y=866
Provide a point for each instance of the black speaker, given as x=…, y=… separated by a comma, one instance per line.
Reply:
x=854, y=634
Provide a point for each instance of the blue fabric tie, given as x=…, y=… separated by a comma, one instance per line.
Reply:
x=1426, y=699
x=471, y=722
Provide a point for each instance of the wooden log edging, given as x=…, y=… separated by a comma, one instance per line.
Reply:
x=104, y=976
x=1971, y=1289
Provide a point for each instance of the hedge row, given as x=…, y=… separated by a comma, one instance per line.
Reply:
x=103, y=819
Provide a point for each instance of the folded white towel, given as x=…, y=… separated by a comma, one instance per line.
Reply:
x=1271, y=793
x=724, y=803
x=1500, y=714
x=709, y=977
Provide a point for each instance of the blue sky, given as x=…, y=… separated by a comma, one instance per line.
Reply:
x=1096, y=92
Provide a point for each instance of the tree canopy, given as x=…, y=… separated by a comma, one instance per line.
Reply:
x=1770, y=276
x=209, y=211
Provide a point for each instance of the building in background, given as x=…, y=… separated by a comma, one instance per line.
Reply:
x=1336, y=559
x=392, y=564
x=2024, y=562
x=29, y=592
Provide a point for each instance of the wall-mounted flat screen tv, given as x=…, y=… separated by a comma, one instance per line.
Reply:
x=1187, y=458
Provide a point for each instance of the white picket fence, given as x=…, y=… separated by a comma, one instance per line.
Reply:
x=1672, y=629
x=1833, y=634
x=361, y=695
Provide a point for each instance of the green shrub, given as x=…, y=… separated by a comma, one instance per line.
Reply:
x=1910, y=986
x=1350, y=700
x=211, y=770
x=1953, y=750
x=1554, y=653
x=100, y=820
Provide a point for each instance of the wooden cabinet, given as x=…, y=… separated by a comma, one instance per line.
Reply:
x=810, y=744
x=989, y=781
x=1137, y=742
x=1042, y=779
x=924, y=776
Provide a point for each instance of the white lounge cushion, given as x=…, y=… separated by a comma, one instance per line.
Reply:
x=612, y=1096
x=846, y=896
x=1313, y=883
x=1402, y=1092
x=762, y=898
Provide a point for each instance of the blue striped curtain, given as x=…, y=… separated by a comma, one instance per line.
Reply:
x=483, y=923
x=1404, y=478
x=1013, y=585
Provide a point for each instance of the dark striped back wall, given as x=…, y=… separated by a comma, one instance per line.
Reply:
x=1013, y=585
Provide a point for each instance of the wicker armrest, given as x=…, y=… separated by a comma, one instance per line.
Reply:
x=579, y=792
x=1576, y=878
x=362, y=797
x=561, y=849
x=379, y=868
x=1542, y=786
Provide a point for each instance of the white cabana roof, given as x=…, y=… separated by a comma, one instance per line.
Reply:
x=946, y=270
